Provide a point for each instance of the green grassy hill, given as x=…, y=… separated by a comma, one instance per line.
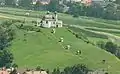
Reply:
x=42, y=48
x=31, y=48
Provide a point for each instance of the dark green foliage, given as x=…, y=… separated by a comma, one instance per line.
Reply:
x=56, y=71
x=6, y=58
x=107, y=10
x=117, y=1
x=53, y=6
x=10, y=2
x=76, y=69
x=106, y=73
x=28, y=28
x=25, y=3
x=111, y=47
x=48, y=72
x=14, y=71
x=7, y=23
x=35, y=22
x=15, y=65
x=38, y=68
x=20, y=21
x=6, y=36
x=101, y=44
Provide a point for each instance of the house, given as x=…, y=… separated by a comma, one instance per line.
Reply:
x=4, y=71
x=35, y=72
x=86, y=2
x=50, y=20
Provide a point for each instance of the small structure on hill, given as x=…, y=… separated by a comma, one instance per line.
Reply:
x=68, y=47
x=27, y=13
x=50, y=20
x=61, y=39
x=53, y=31
x=78, y=52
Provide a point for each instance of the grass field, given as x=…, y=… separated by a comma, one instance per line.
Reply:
x=43, y=49
x=31, y=48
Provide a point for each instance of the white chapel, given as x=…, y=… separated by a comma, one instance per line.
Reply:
x=51, y=20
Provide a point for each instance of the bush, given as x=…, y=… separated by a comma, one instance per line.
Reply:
x=15, y=65
x=38, y=68
x=35, y=22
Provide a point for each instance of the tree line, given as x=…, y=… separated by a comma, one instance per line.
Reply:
x=75, y=69
x=110, y=47
x=108, y=9
x=6, y=36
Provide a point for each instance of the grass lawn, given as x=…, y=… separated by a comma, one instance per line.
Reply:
x=43, y=48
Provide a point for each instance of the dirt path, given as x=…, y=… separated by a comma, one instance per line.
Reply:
x=1, y=16
x=103, y=29
x=110, y=36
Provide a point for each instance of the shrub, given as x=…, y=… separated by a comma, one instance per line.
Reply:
x=38, y=68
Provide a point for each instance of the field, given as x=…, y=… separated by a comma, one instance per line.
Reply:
x=31, y=48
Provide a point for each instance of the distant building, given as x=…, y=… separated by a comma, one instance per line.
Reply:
x=4, y=71
x=86, y=2
x=43, y=2
x=35, y=72
x=50, y=20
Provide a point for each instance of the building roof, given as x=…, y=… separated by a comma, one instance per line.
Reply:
x=4, y=71
x=36, y=72
x=44, y=2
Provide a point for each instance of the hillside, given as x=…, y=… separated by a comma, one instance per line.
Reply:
x=44, y=49
x=31, y=48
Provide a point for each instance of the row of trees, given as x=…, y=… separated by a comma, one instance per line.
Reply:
x=76, y=69
x=18, y=3
x=6, y=35
x=110, y=47
x=110, y=10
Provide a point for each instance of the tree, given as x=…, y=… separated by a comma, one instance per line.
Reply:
x=6, y=58
x=9, y=2
x=76, y=69
x=117, y=1
x=15, y=65
x=56, y=71
x=101, y=44
x=110, y=11
x=53, y=6
x=25, y=3
x=38, y=68
x=14, y=71
x=6, y=35
x=110, y=47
